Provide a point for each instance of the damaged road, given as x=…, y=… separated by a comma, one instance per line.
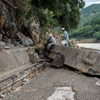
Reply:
x=45, y=84
x=62, y=83
x=86, y=61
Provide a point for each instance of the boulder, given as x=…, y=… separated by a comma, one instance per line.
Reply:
x=33, y=55
x=2, y=45
x=35, y=37
x=0, y=37
x=2, y=20
x=26, y=41
x=20, y=35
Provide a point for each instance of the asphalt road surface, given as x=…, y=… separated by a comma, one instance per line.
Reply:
x=42, y=86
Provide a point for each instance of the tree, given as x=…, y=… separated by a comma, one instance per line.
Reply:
x=64, y=12
x=97, y=35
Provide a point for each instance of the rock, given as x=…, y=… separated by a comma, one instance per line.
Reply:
x=9, y=41
x=35, y=37
x=2, y=45
x=10, y=29
x=31, y=50
x=2, y=32
x=34, y=58
x=23, y=39
x=13, y=28
x=58, y=61
x=35, y=25
x=7, y=47
x=98, y=82
x=35, y=31
x=26, y=41
x=7, y=20
x=9, y=44
x=20, y=35
x=2, y=20
x=0, y=37
x=26, y=81
x=17, y=44
x=2, y=96
x=33, y=55
x=25, y=24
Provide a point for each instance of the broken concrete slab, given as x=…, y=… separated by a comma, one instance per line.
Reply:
x=59, y=60
x=98, y=82
x=26, y=41
x=86, y=61
x=62, y=93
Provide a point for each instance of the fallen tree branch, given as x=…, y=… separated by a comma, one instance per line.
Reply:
x=6, y=1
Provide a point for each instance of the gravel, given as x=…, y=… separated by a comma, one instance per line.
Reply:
x=44, y=85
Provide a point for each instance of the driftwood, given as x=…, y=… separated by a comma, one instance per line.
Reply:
x=6, y=1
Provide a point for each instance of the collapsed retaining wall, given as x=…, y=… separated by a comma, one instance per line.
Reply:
x=86, y=61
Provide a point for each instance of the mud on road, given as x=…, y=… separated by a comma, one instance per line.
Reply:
x=44, y=85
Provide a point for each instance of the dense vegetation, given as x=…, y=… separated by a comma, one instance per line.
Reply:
x=90, y=24
x=90, y=13
x=91, y=8
x=64, y=13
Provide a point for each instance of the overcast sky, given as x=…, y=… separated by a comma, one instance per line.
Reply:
x=89, y=2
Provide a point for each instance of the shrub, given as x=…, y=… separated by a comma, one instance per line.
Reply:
x=97, y=35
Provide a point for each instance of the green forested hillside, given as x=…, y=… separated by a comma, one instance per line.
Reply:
x=90, y=13
x=65, y=13
x=89, y=17
x=90, y=23
x=92, y=8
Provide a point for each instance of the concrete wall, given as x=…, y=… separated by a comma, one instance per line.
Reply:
x=87, y=61
x=13, y=59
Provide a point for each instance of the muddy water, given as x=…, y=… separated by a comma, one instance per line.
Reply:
x=90, y=45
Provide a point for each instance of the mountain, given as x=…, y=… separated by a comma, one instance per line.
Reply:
x=91, y=9
x=90, y=23
x=90, y=13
